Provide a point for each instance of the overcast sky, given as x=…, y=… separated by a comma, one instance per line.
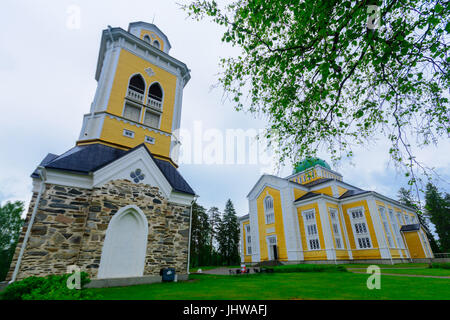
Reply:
x=47, y=66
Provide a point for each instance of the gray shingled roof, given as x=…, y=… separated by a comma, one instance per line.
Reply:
x=347, y=194
x=410, y=227
x=48, y=158
x=89, y=158
x=308, y=196
x=351, y=193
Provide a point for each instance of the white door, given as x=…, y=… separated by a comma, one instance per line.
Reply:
x=271, y=242
x=124, y=249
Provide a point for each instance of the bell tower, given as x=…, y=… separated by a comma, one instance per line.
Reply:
x=105, y=194
x=139, y=92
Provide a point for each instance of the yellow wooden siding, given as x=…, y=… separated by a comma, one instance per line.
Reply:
x=414, y=245
x=278, y=225
x=372, y=253
x=298, y=193
x=327, y=190
x=313, y=254
x=154, y=36
x=341, y=190
x=395, y=253
x=113, y=131
x=128, y=65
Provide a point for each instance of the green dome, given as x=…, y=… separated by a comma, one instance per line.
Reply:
x=309, y=163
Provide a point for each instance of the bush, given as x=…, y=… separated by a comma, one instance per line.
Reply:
x=53, y=287
x=440, y=265
x=308, y=268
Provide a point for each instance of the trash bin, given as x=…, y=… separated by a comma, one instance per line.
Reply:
x=168, y=274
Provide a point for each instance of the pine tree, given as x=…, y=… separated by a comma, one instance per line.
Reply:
x=228, y=237
x=405, y=197
x=200, y=236
x=438, y=210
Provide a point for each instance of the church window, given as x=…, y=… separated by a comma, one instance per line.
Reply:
x=248, y=239
x=156, y=44
x=401, y=218
x=312, y=234
x=268, y=210
x=155, y=97
x=336, y=227
x=136, y=88
x=135, y=92
x=407, y=219
x=396, y=228
x=387, y=230
x=128, y=133
x=151, y=119
x=147, y=39
x=137, y=175
x=150, y=140
x=132, y=112
x=359, y=227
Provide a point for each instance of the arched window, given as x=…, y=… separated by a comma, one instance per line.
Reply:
x=268, y=210
x=154, y=102
x=137, y=84
x=155, y=92
x=135, y=92
x=156, y=44
x=147, y=39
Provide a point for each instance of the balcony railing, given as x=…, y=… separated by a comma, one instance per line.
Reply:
x=153, y=103
x=132, y=94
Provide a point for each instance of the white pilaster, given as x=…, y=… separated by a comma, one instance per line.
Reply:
x=290, y=232
x=379, y=232
x=254, y=230
x=326, y=230
x=346, y=234
x=106, y=79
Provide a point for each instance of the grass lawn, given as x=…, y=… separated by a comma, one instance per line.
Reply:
x=304, y=285
x=382, y=266
x=423, y=272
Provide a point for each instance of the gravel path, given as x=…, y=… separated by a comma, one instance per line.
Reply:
x=223, y=271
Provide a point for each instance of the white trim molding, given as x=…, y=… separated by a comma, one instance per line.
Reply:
x=120, y=169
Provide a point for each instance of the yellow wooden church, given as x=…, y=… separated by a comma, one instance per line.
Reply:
x=314, y=216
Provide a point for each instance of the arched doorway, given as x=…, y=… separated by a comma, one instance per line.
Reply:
x=125, y=245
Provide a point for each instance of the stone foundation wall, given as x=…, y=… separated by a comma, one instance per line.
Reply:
x=70, y=227
x=168, y=233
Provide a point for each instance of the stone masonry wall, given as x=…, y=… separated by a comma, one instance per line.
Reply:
x=56, y=233
x=168, y=233
x=70, y=226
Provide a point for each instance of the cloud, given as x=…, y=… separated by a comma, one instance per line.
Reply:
x=47, y=82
